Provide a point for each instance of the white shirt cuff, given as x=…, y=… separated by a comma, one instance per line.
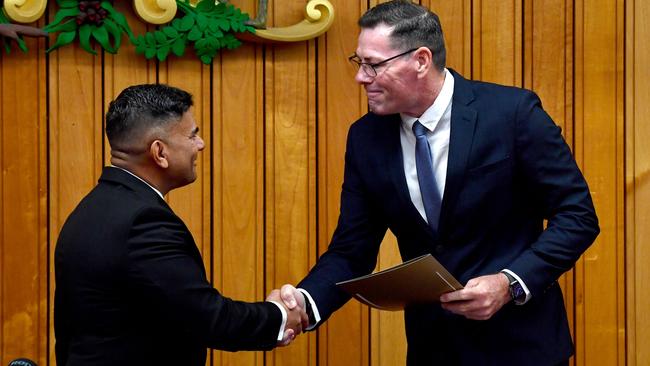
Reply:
x=523, y=285
x=314, y=309
x=284, y=320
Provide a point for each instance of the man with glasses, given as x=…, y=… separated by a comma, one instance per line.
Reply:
x=468, y=172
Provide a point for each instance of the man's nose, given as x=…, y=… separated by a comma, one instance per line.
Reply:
x=361, y=77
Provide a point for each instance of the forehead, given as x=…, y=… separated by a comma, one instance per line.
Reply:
x=186, y=123
x=375, y=42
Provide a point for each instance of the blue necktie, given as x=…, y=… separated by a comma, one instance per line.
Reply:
x=424, y=166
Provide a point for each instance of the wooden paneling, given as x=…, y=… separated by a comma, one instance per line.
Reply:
x=599, y=321
x=497, y=41
x=275, y=120
x=23, y=210
x=343, y=339
x=237, y=153
x=637, y=135
x=290, y=166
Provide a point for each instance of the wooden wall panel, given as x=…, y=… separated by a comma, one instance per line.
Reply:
x=599, y=112
x=456, y=20
x=23, y=205
x=497, y=41
x=275, y=119
x=290, y=158
x=75, y=142
x=343, y=339
x=637, y=123
x=238, y=183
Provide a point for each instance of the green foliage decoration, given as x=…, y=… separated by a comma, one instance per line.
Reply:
x=89, y=19
x=209, y=26
x=6, y=40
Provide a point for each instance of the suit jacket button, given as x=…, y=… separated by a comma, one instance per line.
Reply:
x=440, y=248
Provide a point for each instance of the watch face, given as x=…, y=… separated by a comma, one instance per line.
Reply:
x=518, y=293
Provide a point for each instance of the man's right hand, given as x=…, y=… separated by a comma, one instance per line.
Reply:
x=296, y=315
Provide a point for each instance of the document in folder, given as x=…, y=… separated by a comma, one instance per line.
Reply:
x=418, y=281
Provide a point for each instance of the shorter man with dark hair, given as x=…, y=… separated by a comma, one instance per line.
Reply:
x=131, y=287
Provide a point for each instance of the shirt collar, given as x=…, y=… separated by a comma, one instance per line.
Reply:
x=434, y=113
x=144, y=181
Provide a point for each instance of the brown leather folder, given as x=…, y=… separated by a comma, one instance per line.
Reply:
x=418, y=281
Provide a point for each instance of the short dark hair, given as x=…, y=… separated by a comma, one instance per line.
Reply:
x=141, y=108
x=413, y=26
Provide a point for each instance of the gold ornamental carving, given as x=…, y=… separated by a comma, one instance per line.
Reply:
x=155, y=11
x=24, y=11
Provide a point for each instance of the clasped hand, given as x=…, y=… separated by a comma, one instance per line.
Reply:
x=294, y=304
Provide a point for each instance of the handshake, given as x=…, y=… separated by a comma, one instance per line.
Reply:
x=296, y=308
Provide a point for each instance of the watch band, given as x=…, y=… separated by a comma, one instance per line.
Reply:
x=517, y=292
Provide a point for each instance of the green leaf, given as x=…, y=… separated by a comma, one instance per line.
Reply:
x=106, y=5
x=115, y=31
x=206, y=59
x=149, y=52
x=119, y=18
x=140, y=46
x=178, y=47
x=202, y=21
x=84, y=39
x=69, y=4
x=68, y=26
x=161, y=38
x=201, y=44
x=170, y=32
x=194, y=34
x=21, y=44
x=62, y=14
x=216, y=34
x=63, y=39
x=205, y=6
x=162, y=53
x=176, y=23
x=101, y=36
x=223, y=24
x=186, y=23
x=150, y=39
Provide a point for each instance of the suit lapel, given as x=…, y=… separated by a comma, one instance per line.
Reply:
x=463, y=122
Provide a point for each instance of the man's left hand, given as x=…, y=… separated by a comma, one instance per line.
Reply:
x=481, y=298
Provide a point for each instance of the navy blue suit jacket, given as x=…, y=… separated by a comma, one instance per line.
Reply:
x=131, y=288
x=509, y=169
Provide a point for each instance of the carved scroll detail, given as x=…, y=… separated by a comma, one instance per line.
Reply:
x=25, y=11
x=319, y=16
x=155, y=11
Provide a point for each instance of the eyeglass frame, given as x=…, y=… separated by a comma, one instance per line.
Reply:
x=356, y=60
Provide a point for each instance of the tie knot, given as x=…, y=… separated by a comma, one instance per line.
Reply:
x=419, y=129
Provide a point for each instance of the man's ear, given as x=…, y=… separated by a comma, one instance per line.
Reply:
x=424, y=59
x=158, y=152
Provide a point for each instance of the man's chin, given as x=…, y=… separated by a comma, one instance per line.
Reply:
x=377, y=109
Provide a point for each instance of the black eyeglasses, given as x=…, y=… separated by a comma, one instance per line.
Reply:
x=370, y=68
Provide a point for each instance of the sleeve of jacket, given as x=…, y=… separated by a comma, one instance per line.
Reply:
x=165, y=269
x=355, y=243
x=559, y=190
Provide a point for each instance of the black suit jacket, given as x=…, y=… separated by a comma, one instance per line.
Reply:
x=131, y=287
x=509, y=169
